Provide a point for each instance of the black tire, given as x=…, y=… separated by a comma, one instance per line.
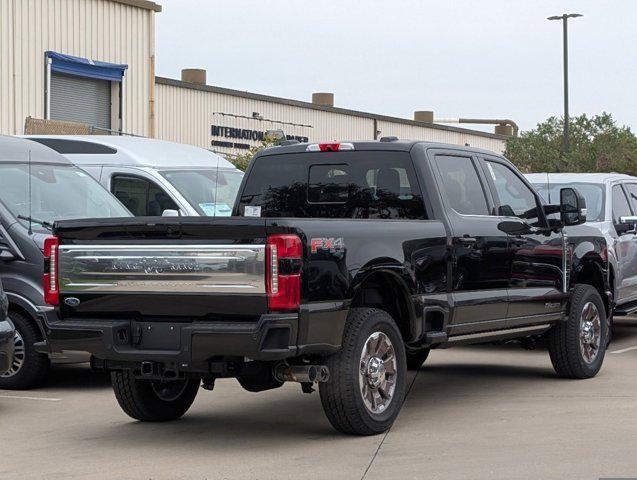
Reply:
x=341, y=396
x=415, y=358
x=140, y=400
x=35, y=366
x=564, y=338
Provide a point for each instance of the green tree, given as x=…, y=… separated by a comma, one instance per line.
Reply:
x=242, y=161
x=597, y=145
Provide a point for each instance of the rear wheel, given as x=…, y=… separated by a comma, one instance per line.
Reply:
x=153, y=400
x=366, y=388
x=29, y=368
x=578, y=346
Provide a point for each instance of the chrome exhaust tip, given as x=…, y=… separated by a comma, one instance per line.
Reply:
x=301, y=373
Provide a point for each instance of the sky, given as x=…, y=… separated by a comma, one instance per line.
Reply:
x=459, y=58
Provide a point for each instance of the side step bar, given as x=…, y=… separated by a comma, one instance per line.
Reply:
x=624, y=310
x=505, y=334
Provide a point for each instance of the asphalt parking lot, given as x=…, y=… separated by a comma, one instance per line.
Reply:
x=476, y=412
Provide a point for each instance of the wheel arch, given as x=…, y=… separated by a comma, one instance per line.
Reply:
x=25, y=308
x=591, y=271
x=387, y=290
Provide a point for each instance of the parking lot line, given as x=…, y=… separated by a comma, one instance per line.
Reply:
x=624, y=350
x=45, y=399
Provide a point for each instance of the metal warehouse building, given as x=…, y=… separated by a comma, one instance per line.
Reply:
x=88, y=66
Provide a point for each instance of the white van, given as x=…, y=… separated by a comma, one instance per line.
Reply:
x=153, y=177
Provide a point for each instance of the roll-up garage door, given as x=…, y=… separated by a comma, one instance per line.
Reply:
x=80, y=99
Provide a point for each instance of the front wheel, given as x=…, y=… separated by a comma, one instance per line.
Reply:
x=366, y=388
x=153, y=400
x=29, y=368
x=577, y=347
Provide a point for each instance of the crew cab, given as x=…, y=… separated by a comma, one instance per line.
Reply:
x=343, y=265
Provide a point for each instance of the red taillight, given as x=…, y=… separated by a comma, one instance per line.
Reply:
x=329, y=147
x=284, y=256
x=51, y=286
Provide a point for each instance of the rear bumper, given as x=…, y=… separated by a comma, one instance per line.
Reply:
x=6, y=346
x=189, y=346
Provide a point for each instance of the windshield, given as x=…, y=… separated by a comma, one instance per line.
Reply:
x=58, y=192
x=593, y=194
x=211, y=192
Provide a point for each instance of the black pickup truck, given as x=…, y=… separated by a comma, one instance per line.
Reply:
x=343, y=265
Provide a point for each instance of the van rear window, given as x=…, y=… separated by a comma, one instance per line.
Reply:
x=359, y=184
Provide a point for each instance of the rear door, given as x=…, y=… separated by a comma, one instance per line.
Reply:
x=536, y=258
x=624, y=198
x=481, y=265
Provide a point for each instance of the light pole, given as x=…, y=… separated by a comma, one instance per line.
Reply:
x=564, y=18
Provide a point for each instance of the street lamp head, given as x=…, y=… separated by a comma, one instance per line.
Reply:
x=565, y=16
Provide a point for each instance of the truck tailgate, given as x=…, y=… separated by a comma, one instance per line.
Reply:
x=186, y=268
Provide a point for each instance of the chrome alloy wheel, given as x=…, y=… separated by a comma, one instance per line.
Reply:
x=19, y=355
x=169, y=391
x=590, y=334
x=377, y=372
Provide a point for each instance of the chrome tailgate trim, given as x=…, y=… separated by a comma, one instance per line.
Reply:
x=162, y=268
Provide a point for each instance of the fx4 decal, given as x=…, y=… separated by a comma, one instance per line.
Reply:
x=331, y=245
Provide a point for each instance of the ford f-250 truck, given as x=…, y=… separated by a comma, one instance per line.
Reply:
x=344, y=264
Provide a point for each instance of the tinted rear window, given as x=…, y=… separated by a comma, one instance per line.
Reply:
x=74, y=147
x=377, y=185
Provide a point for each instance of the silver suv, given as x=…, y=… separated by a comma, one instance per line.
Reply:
x=611, y=201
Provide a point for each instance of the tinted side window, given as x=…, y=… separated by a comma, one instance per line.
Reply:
x=359, y=184
x=141, y=197
x=620, y=204
x=461, y=185
x=515, y=198
x=631, y=190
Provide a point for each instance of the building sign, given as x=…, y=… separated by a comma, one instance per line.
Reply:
x=218, y=131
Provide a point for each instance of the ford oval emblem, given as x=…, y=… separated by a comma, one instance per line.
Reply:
x=72, y=301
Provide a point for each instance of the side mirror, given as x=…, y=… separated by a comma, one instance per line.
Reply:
x=572, y=207
x=6, y=254
x=627, y=224
x=513, y=227
x=171, y=213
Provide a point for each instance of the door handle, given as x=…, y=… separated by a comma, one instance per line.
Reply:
x=466, y=240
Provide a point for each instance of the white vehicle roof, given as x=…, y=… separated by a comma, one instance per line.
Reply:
x=561, y=178
x=141, y=152
x=16, y=150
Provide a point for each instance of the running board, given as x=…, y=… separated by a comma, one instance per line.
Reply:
x=505, y=334
x=624, y=310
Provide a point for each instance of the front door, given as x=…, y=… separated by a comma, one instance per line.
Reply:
x=481, y=265
x=535, y=288
x=625, y=242
x=141, y=196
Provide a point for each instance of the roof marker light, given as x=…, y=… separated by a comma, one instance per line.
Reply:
x=329, y=147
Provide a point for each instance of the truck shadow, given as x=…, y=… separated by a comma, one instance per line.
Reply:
x=286, y=417
x=69, y=377
x=625, y=328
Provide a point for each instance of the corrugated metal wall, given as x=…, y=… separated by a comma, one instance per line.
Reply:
x=186, y=115
x=95, y=29
x=415, y=132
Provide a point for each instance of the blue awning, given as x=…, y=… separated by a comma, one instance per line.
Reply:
x=83, y=67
